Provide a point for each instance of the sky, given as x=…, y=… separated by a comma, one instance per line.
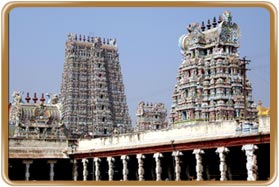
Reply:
x=148, y=47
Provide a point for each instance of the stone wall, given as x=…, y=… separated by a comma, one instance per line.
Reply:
x=37, y=148
x=196, y=131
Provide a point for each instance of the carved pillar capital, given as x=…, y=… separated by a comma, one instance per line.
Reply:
x=140, y=156
x=249, y=148
x=74, y=161
x=157, y=155
x=124, y=157
x=198, y=151
x=27, y=162
x=97, y=159
x=222, y=150
x=52, y=161
x=176, y=153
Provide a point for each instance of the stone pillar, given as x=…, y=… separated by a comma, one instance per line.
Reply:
x=199, y=167
x=75, y=172
x=177, y=168
x=27, y=166
x=97, y=170
x=251, y=164
x=140, y=158
x=125, y=170
x=158, y=168
x=110, y=167
x=93, y=170
x=223, y=166
x=51, y=171
x=84, y=172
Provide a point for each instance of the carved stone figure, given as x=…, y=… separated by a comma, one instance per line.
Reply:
x=227, y=17
x=17, y=97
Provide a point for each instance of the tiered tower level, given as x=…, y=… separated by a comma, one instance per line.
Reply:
x=210, y=81
x=92, y=89
x=151, y=116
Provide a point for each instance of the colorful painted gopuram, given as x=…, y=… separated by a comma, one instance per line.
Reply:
x=92, y=89
x=211, y=81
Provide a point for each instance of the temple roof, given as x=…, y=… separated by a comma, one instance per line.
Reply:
x=223, y=33
x=38, y=115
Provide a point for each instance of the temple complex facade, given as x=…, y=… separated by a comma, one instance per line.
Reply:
x=92, y=89
x=201, y=151
x=216, y=133
x=211, y=81
x=151, y=116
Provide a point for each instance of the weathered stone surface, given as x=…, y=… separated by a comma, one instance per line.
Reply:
x=37, y=148
x=197, y=131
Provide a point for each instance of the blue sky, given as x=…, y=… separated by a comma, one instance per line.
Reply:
x=147, y=40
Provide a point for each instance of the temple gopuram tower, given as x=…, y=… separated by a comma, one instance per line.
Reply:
x=151, y=116
x=211, y=81
x=92, y=89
